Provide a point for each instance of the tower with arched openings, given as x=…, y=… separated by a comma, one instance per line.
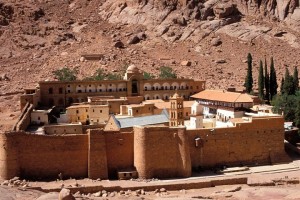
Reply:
x=176, y=111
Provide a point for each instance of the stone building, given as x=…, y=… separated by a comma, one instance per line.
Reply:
x=88, y=113
x=64, y=93
x=224, y=105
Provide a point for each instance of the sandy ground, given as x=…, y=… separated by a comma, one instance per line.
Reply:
x=255, y=175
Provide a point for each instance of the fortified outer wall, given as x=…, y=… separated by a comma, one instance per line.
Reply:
x=119, y=151
x=97, y=164
x=256, y=142
x=25, y=118
x=41, y=156
x=161, y=152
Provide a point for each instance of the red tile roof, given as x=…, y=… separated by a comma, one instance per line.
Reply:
x=224, y=96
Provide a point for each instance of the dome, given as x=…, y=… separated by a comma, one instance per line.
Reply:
x=132, y=69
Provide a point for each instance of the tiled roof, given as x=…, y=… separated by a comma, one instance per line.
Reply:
x=224, y=96
x=142, y=121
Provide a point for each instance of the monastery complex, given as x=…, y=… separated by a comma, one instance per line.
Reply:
x=137, y=128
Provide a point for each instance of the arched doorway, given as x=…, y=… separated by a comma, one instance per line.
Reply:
x=134, y=87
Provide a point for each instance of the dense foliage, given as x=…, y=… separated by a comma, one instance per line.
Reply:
x=65, y=74
x=249, y=79
x=166, y=72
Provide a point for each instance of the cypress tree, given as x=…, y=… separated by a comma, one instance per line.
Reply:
x=281, y=86
x=249, y=79
x=273, y=80
x=267, y=82
x=296, y=79
x=297, y=114
x=261, y=80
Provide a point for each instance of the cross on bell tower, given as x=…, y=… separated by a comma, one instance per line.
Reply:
x=176, y=111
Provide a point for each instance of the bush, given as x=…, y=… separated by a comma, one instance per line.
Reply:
x=167, y=72
x=65, y=74
x=148, y=76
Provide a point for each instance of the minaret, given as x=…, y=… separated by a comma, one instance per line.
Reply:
x=176, y=111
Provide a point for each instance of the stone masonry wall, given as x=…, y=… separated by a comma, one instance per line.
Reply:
x=161, y=152
x=119, y=150
x=259, y=142
x=40, y=156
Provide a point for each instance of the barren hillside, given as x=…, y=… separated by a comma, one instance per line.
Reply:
x=39, y=36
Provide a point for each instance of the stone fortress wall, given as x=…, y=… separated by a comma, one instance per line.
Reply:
x=160, y=152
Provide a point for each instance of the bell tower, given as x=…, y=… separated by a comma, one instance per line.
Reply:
x=176, y=111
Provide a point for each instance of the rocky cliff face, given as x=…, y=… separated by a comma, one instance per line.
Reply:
x=164, y=16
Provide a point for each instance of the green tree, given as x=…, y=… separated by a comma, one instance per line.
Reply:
x=148, y=75
x=261, y=80
x=267, y=82
x=281, y=86
x=112, y=76
x=65, y=74
x=297, y=114
x=98, y=75
x=249, y=79
x=286, y=104
x=296, y=78
x=288, y=87
x=166, y=72
x=273, y=80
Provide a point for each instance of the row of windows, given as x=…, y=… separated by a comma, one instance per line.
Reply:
x=168, y=88
x=86, y=110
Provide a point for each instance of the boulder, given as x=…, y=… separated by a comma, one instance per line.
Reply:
x=223, y=10
x=141, y=36
x=119, y=44
x=186, y=63
x=65, y=194
x=134, y=40
x=220, y=61
x=216, y=42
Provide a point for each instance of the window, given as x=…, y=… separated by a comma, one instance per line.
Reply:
x=77, y=111
x=39, y=118
x=79, y=91
x=93, y=110
x=86, y=110
x=145, y=88
x=78, y=118
x=69, y=91
x=50, y=90
x=90, y=90
x=60, y=90
x=100, y=111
